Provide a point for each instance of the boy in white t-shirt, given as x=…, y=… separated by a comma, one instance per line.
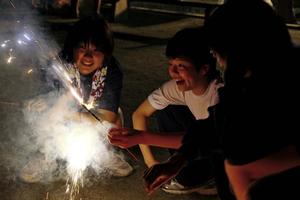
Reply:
x=179, y=102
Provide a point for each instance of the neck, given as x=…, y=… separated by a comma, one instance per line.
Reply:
x=201, y=88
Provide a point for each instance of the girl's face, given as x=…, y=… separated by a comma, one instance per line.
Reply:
x=184, y=72
x=88, y=58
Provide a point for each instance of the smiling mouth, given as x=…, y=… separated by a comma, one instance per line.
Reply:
x=86, y=64
x=179, y=82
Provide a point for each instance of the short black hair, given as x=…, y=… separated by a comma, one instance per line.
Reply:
x=191, y=43
x=92, y=29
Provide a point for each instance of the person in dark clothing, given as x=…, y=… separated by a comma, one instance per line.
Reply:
x=254, y=128
x=89, y=46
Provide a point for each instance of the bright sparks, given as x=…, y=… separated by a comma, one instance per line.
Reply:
x=29, y=71
x=80, y=147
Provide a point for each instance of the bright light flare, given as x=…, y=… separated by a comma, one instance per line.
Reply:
x=80, y=147
x=78, y=150
x=76, y=95
x=21, y=42
x=10, y=58
x=29, y=71
x=27, y=36
x=62, y=72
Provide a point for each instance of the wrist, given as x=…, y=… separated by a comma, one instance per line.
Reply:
x=141, y=137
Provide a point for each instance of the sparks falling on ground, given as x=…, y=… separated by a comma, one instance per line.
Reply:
x=79, y=148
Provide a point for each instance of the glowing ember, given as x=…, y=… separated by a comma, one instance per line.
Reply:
x=29, y=71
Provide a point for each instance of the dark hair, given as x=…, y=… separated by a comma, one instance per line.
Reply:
x=191, y=43
x=92, y=29
x=251, y=36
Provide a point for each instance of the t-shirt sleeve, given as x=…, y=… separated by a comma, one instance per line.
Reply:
x=110, y=99
x=167, y=94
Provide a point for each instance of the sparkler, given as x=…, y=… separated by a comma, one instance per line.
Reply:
x=12, y=4
x=101, y=121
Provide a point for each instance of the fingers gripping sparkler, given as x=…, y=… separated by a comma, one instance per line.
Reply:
x=101, y=121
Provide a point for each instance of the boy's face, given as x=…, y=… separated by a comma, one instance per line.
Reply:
x=88, y=58
x=184, y=72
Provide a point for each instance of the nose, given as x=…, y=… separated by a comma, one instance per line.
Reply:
x=88, y=53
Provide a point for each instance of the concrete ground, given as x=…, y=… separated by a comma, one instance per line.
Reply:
x=140, y=43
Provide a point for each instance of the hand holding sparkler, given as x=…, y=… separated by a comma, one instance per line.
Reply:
x=109, y=127
x=124, y=137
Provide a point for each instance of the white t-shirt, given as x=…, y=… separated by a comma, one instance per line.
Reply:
x=168, y=94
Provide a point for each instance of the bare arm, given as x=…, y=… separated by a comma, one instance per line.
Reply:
x=139, y=119
x=166, y=140
x=239, y=179
x=242, y=176
x=126, y=137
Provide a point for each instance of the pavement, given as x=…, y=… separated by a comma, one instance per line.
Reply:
x=140, y=41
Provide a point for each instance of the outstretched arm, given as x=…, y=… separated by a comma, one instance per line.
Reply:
x=126, y=137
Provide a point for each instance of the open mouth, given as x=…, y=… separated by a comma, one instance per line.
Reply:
x=86, y=64
x=179, y=82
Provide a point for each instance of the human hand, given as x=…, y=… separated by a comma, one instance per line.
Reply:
x=123, y=137
x=160, y=174
x=156, y=176
x=105, y=126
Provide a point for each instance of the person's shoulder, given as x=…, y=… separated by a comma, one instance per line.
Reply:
x=170, y=86
x=114, y=67
x=114, y=63
x=215, y=85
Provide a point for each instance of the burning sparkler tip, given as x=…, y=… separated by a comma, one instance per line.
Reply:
x=29, y=71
